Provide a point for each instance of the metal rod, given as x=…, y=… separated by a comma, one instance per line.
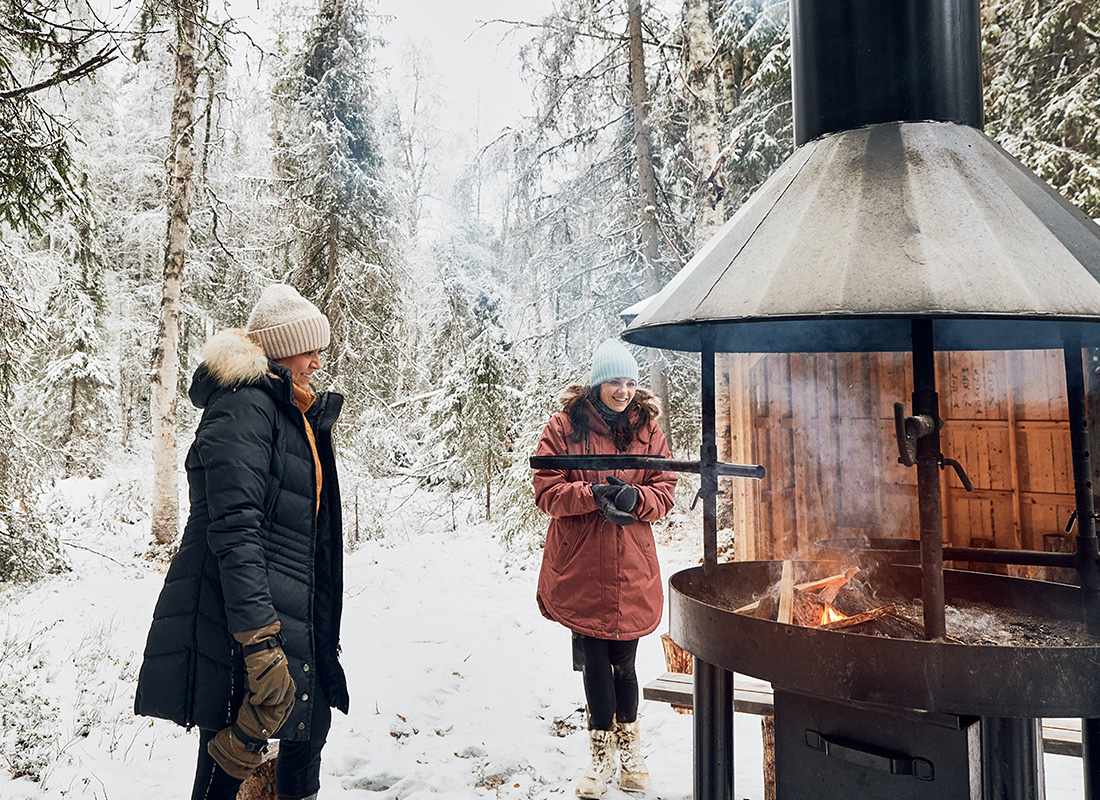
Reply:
x=990, y=555
x=1090, y=754
x=1012, y=759
x=643, y=462
x=708, y=459
x=713, y=730
x=925, y=401
x=1087, y=549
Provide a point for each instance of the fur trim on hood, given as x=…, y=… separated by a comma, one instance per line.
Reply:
x=576, y=392
x=233, y=359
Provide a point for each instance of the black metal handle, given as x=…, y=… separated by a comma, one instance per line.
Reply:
x=955, y=465
x=871, y=757
x=643, y=462
x=908, y=430
x=907, y=449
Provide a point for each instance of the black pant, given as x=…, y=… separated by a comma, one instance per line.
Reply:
x=297, y=770
x=610, y=682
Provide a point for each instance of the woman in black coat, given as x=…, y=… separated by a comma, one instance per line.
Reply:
x=245, y=634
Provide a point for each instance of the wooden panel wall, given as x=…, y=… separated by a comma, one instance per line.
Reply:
x=822, y=424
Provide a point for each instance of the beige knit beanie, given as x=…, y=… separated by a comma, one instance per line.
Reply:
x=284, y=323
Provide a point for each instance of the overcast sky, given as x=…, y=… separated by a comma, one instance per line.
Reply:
x=478, y=64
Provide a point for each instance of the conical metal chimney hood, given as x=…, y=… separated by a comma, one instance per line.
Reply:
x=894, y=207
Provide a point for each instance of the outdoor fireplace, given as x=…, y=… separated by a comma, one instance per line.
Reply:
x=896, y=226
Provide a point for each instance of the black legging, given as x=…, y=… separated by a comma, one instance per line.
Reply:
x=610, y=682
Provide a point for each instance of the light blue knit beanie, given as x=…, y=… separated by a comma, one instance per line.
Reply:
x=612, y=360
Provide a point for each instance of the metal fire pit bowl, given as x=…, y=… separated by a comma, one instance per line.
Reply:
x=934, y=676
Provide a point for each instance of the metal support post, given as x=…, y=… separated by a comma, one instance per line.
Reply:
x=926, y=402
x=708, y=460
x=713, y=718
x=1012, y=759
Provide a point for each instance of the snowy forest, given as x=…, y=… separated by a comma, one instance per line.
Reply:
x=160, y=165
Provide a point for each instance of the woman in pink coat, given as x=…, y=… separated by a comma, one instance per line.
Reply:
x=600, y=576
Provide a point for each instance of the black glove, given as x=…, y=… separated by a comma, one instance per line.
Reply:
x=627, y=498
x=605, y=495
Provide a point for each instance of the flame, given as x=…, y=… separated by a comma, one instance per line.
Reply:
x=830, y=614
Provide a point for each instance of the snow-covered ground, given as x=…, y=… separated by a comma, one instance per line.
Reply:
x=459, y=687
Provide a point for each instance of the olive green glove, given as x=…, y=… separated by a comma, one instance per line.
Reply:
x=269, y=680
x=240, y=748
x=233, y=755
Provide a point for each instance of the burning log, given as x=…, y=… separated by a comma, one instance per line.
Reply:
x=808, y=586
x=858, y=619
x=786, y=594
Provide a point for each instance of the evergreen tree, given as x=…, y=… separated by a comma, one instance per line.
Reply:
x=44, y=44
x=753, y=45
x=70, y=402
x=471, y=418
x=19, y=338
x=343, y=257
x=1042, y=98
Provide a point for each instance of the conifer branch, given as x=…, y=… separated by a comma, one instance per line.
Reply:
x=100, y=59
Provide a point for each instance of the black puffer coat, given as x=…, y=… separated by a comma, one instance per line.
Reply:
x=253, y=550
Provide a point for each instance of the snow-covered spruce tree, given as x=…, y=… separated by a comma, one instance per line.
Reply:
x=27, y=548
x=1042, y=90
x=474, y=416
x=753, y=55
x=343, y=254
x=45, y=45
x=19, y=338
x=70, y=403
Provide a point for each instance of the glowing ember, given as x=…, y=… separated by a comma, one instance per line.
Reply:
x=830, y=614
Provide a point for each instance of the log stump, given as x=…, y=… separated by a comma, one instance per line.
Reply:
x=260, y=785
x=678, y=660
x=767, y=725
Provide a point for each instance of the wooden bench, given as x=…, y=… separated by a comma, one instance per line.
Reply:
x=1060, y=736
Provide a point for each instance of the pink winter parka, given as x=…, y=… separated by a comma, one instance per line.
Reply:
x=598, y=578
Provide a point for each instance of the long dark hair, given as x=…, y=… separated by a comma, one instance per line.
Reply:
x=624, y=429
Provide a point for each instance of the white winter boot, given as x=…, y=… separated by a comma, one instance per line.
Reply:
x=602, y=768
x=634, y=776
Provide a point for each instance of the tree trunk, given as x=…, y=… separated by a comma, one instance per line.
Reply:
x=710, y=212
x=181, y=164
x=647, y=191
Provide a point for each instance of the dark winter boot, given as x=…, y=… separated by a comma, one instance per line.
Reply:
x=634, y=776
x=602, y=769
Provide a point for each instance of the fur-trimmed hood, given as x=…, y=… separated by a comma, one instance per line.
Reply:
x=645, y=402
x=230, y=359
x=233, y=359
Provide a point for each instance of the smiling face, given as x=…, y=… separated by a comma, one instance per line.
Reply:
x=617, y=393
x=302, y=366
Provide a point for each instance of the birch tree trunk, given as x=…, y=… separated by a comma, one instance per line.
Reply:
x=181, y=163
x=647, y=190
x=737, y=507
x=710, y=212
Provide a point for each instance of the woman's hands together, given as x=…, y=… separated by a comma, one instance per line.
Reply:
x=616, y=499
